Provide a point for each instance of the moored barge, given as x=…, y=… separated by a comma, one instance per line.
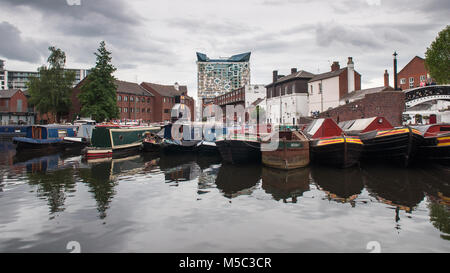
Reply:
x=330, y=146
x=436, y=143
x=384, y=141
x=292, y=151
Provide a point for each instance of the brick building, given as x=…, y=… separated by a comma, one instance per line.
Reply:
x=413, y=74
x=134, y=102
x=388, y=104
x=14, y=108
x=287, y=97
x=327, y=89
x=166, y=97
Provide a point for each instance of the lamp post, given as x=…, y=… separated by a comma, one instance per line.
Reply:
x=395, y=70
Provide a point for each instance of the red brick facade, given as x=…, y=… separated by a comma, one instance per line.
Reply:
x=388, y=104
x=165, y=98
x=18, y=102
x=412, y=74
x=133, y=101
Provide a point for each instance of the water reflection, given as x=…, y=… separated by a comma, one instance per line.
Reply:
x=236, y=180
x=58, y=177
x=398, y=187
x=285, y=185
x=340, y=185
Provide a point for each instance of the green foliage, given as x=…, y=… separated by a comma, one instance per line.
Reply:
x=440, y=218
x=437, y=57
x=98, y=95
x=51, y=91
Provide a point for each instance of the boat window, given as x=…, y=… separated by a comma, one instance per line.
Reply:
x=62, y=133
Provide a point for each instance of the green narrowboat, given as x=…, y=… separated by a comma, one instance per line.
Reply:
x=108, y=140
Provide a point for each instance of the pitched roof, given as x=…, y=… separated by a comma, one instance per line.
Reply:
x=415, y=57
x=8, y=93
x=327, y=75
x=131, y=88
x=359, y=94
x=301, y=74
x=166, y=90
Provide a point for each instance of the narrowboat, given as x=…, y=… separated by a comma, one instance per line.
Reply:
x=115, y=139
x=384, y=141
x=82, y=138
x=152, y=143
x=436, y=142
x=330, y=146
x=207, y=147
x=44, y=137
x=10, y=131
x=239, y=148
x=187, y=144
x=292, y=151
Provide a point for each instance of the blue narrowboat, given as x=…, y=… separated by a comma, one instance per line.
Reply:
x=10, y=131
x=48, y=137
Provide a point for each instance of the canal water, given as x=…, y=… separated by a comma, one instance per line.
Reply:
x=152, y=203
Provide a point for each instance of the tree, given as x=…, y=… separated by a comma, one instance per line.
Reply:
x=437, y=57
x=51, y=91
x=98, y=95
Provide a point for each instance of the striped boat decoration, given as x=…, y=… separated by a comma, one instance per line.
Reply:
x=330, y=141
x=417, y=132
x=392, y=132
x=443, y=141
x=238, y=137
x=354, y=140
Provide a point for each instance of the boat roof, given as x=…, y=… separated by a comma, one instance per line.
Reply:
x=427, y=127
x=365, y=124
x=323, y=127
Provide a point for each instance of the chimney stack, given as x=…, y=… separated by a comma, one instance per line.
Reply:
x=293, y=70
x=176, y=86
x=386, y=78
x=275, y=75
x=350, y=75
x=335, y=66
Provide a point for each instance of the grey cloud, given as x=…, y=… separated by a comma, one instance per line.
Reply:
x=208, y=27
x=16, y=47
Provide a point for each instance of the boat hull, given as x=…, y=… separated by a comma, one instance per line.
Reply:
x=239, y=151
x=185, y=146
x=289, y=155
x=397, y=145
x=23, y=143
x=342, y=152
x=434, y=149
x=151, y=147
x=208, y=148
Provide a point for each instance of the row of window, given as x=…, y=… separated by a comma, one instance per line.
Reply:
x=287, y=90
x=131, y=110
x=422, y=78
x=125, y=98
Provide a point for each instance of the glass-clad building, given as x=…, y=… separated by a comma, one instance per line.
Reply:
x=218, y=76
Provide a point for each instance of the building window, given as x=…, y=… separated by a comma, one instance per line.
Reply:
x=119, y=98
x=131, y=98
x=402, y=81
x=422, y=78
x=125, y=98
x=125, y=110
x=320, y=88
x=120, y=109
x=411, y=82
x=311, y=89
x=137, y=110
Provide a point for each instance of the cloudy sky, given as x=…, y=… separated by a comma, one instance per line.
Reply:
x=156, y=41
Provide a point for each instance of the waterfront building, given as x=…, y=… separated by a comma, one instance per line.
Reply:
x=244, y=96
x=134, y=102
x=327, y=89
x=168, y=97
x=218, y=76
x=287, y=97
x=18, y=79
x=3, y=76
x=413, y=74
x=14, y=108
